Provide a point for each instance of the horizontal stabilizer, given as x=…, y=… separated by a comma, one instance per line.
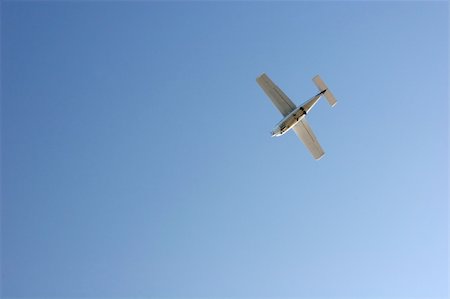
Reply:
x=321, y=86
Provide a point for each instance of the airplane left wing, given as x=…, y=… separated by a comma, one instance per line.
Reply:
x=304, y=132
x=279, y=99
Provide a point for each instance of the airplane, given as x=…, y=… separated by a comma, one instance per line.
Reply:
x=295, y=117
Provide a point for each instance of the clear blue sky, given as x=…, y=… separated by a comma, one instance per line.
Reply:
x=137, y=159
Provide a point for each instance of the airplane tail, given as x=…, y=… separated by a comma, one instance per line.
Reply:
x=321, y=86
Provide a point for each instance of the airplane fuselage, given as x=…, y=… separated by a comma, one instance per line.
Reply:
x=289, y=121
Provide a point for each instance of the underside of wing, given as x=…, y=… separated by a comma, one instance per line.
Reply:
x=279, y=99
x=304, y=132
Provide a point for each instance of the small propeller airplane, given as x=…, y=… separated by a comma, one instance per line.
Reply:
x=295, y=117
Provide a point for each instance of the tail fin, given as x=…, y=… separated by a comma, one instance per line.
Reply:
x=321, y=86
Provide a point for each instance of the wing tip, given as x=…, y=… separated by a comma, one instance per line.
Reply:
x=261, y=77
x=319, y=157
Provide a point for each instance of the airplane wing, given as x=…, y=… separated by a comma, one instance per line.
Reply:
x=279, y=99
x=304, y=132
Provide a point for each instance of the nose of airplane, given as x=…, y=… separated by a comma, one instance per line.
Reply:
x=275, y=133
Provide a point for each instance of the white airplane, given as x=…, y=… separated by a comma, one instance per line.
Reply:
x=295, y=117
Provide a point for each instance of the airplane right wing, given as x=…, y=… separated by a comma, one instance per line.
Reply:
x=304, y=132
x=279, y=99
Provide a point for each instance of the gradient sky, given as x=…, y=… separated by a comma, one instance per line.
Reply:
x=137, y=159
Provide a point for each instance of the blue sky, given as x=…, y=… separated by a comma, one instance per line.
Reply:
x=137, y=159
